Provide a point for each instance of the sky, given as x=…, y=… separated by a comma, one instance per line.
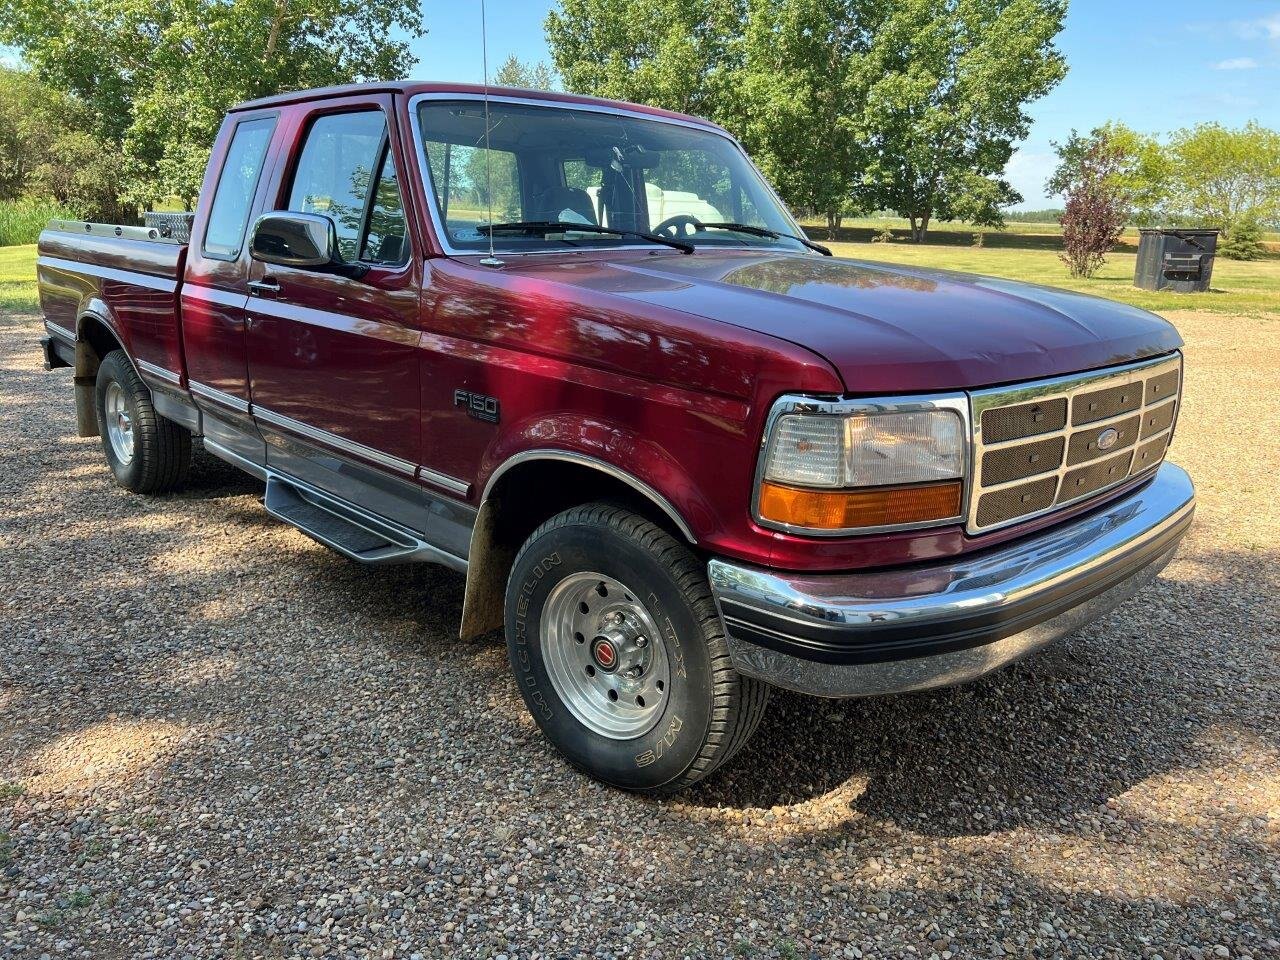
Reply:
x=1156, y=65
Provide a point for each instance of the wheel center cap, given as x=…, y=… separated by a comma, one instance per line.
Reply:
x=605, y=654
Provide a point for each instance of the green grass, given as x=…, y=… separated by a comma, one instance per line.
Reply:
x=1243, y=288
x=1248, y=288
x=1047, y=235
x=18, y=279
x=22, y=220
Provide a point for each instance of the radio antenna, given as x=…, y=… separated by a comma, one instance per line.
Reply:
x=490, y=260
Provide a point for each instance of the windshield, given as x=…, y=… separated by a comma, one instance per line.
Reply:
x=563, y=166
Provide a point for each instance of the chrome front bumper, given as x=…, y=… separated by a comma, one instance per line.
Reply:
x=943, y=623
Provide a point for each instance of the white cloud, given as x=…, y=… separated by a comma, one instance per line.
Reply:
x=1236, y=63
x=1267, y=27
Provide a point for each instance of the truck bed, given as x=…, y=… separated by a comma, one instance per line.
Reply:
x=126, y=276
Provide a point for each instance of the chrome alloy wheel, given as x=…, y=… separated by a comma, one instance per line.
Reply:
x=605, y=656
x=119, y=423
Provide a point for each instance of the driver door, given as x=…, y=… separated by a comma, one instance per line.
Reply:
x=333, y=361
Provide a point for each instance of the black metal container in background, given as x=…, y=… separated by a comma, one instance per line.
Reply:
x=1180, y=260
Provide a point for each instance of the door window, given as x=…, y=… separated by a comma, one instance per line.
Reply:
x=233, y=196
x=346, y=172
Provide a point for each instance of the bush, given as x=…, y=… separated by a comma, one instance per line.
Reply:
x=979, y=238
x=1094, y=216
x=1244, y=242
x=22, y=220
x=884, y=236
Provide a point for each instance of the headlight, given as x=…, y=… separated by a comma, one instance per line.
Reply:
x=833, y=471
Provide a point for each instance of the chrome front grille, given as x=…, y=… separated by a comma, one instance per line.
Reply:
x=1041, y=446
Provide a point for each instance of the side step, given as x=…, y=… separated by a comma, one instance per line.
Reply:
x=346, y=528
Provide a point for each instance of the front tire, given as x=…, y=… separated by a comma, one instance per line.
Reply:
x=619, y=653
x=146, y=452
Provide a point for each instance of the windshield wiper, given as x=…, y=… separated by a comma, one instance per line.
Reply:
x=771, y=234
x=551, y=226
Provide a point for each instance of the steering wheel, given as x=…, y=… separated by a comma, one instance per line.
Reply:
x=677, y=227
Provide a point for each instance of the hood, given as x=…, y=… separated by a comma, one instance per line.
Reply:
x=885, y=328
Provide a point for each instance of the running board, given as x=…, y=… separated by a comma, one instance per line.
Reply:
x=346, y=528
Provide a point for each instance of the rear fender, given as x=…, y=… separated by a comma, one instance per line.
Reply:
x=97, y=334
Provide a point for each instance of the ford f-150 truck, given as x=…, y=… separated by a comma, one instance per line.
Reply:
x=580, y=352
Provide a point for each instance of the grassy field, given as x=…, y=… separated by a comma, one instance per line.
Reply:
x=1244, y=289
x=18, y=279
x=1241, y=288
x=1015, y=234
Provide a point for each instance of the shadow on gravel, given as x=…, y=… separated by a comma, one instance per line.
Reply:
x=1063, y=731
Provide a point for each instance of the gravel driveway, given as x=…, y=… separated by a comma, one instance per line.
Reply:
x=218, y=739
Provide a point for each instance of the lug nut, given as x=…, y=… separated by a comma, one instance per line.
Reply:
x=641, y=641
x=634, y=672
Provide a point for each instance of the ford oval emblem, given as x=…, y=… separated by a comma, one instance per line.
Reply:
x=1107, y=438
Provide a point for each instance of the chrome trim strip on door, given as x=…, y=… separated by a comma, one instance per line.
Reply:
x=444, y=480
x=207, y=392
x=160, y=373
x=424, y=170
x=333, y=440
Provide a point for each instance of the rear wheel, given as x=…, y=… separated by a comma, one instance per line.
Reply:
x=619, y=653
x=146, y=452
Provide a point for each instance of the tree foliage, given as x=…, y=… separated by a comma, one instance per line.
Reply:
x=1244, y=242
x=675, y=54
x=948, y=84
x=527, y=76
x=1223, y=177
x=908, y=105
x=796, y=99
x=1095, y=212
x=1139, y=174
x=156, y=76
x=47, y=149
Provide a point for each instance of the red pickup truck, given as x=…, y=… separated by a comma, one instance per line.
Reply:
x=580, y=352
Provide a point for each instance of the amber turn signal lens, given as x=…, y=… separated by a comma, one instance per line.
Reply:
x=868, y=507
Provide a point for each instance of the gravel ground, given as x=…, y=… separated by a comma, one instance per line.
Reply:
x=218, y=739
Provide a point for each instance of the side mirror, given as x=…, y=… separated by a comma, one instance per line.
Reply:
x=305, y=241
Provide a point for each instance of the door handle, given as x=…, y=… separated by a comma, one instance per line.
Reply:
x=266, y=287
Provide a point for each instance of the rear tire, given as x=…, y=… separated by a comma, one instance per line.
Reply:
x=146, y=452
x=619, y=653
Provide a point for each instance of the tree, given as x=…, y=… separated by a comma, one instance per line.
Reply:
x=1224, y=177
x=667, y=53
x=47, y=152
x=527, y=76
x=156, y=76
x=947, y=84
x=1140, y=172
x=909, y=105
x=778, y=73
x=1244, y=242
x=1095, y=212
x=797, y=101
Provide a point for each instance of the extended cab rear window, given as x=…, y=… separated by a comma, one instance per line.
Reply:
x=233, y=196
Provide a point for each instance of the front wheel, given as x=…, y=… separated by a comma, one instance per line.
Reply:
x=619, y=654
x=146, y=452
